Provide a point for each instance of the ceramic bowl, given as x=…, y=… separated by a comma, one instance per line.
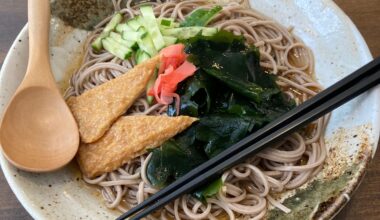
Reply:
x=351, y=137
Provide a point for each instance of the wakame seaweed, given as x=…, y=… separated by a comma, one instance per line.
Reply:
x=172, y=161
x=229, y=72
x=230, y=94
x=217, y=132
x=196, y=94
x=208, y=191
x=210, y=136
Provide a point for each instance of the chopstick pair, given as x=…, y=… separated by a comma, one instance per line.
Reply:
x=341, y=92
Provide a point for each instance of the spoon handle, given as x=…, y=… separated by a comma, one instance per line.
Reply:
x=39, y=70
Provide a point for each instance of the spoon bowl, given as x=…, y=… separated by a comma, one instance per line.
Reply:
x=35, y=134
x=38, y=133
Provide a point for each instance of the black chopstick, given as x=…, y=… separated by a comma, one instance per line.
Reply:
x=334, y=96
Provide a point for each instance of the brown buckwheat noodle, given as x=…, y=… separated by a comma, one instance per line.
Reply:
x=247, y=189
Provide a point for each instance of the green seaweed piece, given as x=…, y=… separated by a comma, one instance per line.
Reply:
x=208, y=191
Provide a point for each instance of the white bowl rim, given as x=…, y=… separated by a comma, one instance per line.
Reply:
x=33, y=210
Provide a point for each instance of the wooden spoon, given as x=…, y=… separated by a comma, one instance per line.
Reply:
x=38, y=132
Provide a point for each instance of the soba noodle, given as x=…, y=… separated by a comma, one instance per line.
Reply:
x=247, y=189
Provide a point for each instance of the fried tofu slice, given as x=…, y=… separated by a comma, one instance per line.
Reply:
x=96, y=109
x=129, y=137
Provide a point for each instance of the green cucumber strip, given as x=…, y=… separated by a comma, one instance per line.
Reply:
x=166, y=22
x=115, y=20
x=150, y=84
x=172, y=25
x=97, y=44
x=150, y=23
x=128, y=43
x=134, y=35
x=142, y=30
x=169, y=40
x=149, y=99
x=116, y=49
x=146, y=44
x=175, y=32
x=140, y=20
x=120, y=28
x=189, y=32
x=134, y=23
x=141, y=56
x=208, y=32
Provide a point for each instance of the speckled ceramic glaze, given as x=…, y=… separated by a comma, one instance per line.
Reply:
x=352, y=133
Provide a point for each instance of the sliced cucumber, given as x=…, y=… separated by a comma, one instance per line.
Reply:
x=134, y=23
x=135, y=35
x=141, y=56
x=188, y=32
x=149, y=99
x=140, y=20
x=97, y=44
x=146, y=44
x=120, y=28
x=209, y=31
x=115, y=20
x=167, y=23
x=150, y=23
x=169, y=40
x=128, y=43
x=182, y=33
x=116, y=48
x=149, y=86
x=177, y=31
